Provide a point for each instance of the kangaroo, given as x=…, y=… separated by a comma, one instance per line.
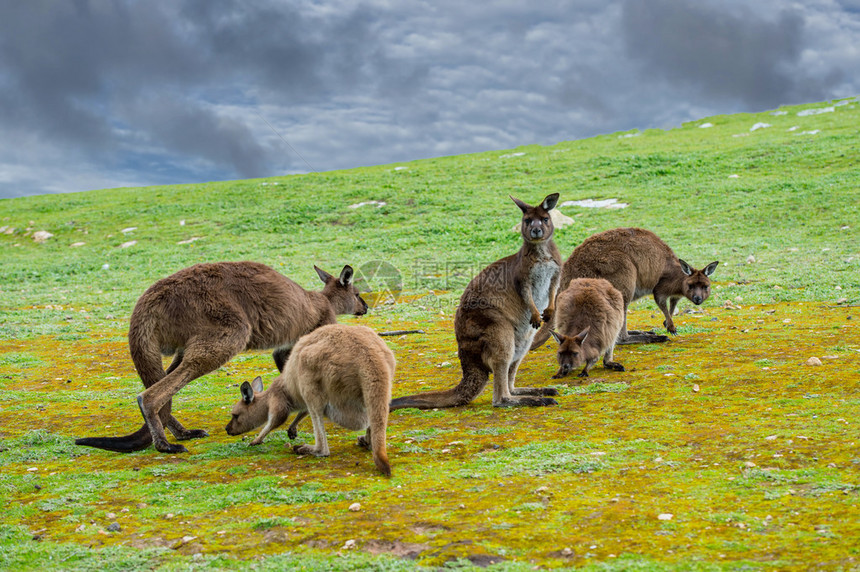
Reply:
x=337, y=371
x=637, y=263
x=499, y=311
x=204, y=315
x=589, y=316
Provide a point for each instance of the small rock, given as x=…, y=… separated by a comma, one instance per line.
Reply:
x=355, y=507
x=110, y=515
x=187, y=539
x=129, y=229
x=665, y=516
x=349, y=544
x=41, y=235
x=813, y=361
x=113, y=527
x=696, y=388
x=128, y=244
x=750, y=259
x=77, y=244
x=566, y=552
x=105, y=266
x=749, y=464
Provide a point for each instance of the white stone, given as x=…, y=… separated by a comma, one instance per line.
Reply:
x=817, y=111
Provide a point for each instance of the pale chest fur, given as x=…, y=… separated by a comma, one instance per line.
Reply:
x=540, y=278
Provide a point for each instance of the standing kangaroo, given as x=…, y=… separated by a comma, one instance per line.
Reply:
x=337, y=371
x=589, y=317
x=206, y=314
x=497, y=317
x=637, y=263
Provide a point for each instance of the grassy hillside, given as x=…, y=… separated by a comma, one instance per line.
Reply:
x=759, y=466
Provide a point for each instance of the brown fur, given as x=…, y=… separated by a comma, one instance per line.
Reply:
x=589, y=317
x=637, y=263
x=497, y=317
x=337, y=371
x=206, y=314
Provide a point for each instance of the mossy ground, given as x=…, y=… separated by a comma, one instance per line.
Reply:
x=753, y=453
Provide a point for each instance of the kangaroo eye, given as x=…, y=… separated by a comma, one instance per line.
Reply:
x=545, y=219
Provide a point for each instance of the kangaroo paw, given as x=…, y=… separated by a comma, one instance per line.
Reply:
x=292, y=433
x=614, y=366
x=364, y=443
x=171, y=448
x=526, y=401
x=534, y=391
x=308, y=450
x=192, y=434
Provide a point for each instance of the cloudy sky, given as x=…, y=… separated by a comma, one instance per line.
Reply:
x=128, y=93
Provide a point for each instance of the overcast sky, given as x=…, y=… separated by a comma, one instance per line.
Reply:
x=105, y=94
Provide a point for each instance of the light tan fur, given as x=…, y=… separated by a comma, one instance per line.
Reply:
x=337, y=371
x=499, y=312
x=637, y=263
x=589, y=317
x=204, y=315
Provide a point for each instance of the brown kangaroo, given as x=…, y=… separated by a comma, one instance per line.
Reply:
x=206, y=314
x=337, y=371
x=637, y=263
x=497, y=317
x=589, y=316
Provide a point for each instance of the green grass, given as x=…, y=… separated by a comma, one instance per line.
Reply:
x=754, y=454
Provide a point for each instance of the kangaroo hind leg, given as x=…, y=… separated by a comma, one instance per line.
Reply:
x=179, y=431
x=203, y=355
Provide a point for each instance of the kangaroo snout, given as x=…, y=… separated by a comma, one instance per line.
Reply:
x=363, y=309
x=697, y=300
x=536, y=232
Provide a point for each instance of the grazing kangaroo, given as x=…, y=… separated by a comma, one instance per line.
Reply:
x=589, y=316
x=637, y=263
x=337, y=371
x=497, y=317
x=206, y=314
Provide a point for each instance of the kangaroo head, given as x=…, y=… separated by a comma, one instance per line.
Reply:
x=570, y=354
x=697, y=284
x=537, y=224
x=251, y=411
x=342, y=293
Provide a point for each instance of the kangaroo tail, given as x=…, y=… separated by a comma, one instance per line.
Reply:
x=475, y=378
x=378, y=424
x=541, y=337
x=137, y=441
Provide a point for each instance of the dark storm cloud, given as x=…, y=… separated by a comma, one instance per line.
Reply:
x=96, y=94
x=724, y=54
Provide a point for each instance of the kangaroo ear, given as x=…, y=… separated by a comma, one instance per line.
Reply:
x=709, y=269
x=558, y=337
x=685, y=268
x=583, y=334
x=324, y=276
x=549, y=202
x=257, y=384
x=247, y=393
x=523, y=207
x=346, y=275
